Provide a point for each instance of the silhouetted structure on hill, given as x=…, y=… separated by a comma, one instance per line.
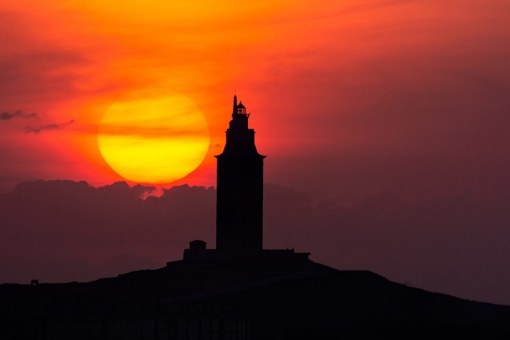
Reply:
x=239, y=188
x=240, y=179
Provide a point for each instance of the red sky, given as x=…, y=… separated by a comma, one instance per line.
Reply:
x=349, y=99
x=359, y=81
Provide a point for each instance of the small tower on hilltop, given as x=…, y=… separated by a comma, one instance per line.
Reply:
x=239, y=196
x=239, y=188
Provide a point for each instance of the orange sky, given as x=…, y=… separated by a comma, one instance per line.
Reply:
x=321, y=77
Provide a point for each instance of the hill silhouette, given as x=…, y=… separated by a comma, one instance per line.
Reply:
x=245, y=299
x=455, y=246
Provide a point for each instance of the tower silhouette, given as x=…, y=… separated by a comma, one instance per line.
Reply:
x=239, y=188
x=239, y=197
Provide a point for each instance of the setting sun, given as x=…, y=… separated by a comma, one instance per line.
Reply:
x=153, y=136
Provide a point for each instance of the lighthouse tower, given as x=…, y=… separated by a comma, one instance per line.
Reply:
x=239, y=204
x=239, y=188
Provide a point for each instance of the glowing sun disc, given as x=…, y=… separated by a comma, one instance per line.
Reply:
x=153, y=136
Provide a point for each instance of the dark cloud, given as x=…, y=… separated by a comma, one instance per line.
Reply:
x=456, y=245
x=17, y=114
x=53, y=126
x=6, y=116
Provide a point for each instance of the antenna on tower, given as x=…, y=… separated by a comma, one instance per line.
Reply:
x=234, y=109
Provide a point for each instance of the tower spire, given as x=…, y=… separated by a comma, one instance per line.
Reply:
x=234, y=110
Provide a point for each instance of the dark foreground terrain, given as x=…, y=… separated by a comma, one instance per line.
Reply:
x=243, y=300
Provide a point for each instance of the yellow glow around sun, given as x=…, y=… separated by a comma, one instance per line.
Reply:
x=153, y=136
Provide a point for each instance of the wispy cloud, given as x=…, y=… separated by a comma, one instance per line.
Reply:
x=53, y=126
x=17, y=114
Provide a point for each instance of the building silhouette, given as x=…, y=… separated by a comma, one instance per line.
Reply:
x=239, y=201
x=239, y=188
